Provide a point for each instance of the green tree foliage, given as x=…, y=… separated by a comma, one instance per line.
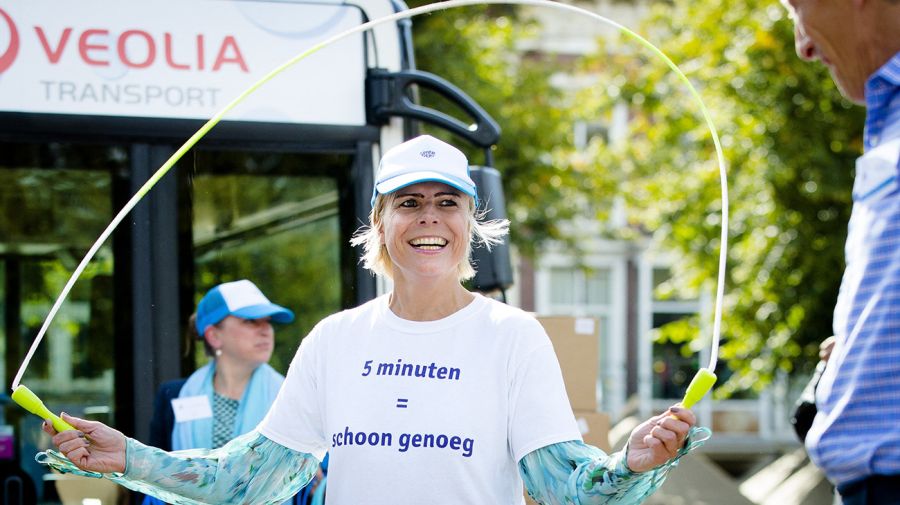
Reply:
x=475, y=48
x=790, y=142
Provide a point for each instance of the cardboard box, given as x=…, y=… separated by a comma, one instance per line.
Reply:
x=576, y=341
x=78, y=490
x=734, y=423
x=594, y=427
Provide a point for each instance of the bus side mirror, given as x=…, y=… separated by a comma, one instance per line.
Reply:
x=493, y=270
x=387, y=96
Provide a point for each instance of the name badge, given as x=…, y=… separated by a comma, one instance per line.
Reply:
x=876, y=172
x=191, y=408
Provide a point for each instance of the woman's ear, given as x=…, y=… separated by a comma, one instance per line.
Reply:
x=211, y=335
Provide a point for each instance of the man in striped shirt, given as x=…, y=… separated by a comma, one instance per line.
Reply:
x=855, y=437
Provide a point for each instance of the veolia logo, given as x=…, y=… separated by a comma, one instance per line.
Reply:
x=9, y=55
x=132, y=48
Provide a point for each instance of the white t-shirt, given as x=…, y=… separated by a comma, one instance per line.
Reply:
x=435, y=412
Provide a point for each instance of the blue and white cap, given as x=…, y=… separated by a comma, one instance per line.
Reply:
x=423, y=159
x=239, y=298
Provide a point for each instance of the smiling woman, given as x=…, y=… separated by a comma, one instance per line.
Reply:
x=447, y=170
x=353, y=380
x=425, y=232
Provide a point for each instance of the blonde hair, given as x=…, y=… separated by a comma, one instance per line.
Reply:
x=377, y=260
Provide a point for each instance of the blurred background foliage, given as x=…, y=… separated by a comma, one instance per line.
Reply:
x=475, y=48
x=789, y=140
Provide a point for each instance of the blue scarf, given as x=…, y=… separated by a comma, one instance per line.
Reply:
x=255, y=402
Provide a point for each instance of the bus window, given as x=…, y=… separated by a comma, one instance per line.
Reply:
x=273, y=218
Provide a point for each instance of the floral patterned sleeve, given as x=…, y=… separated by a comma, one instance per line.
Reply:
x=249, y=469
x=580, y=474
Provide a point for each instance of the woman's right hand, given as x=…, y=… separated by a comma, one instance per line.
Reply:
x=92, y=445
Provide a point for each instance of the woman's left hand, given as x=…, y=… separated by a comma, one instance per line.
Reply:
x=658, y=439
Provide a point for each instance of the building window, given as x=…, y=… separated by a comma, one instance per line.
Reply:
x=586, y=131
x=581, y=292
x=588, y=292
x=56, y=199
x=269, y=217
x=674, y=365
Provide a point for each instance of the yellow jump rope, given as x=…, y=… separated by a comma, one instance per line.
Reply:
x=702, y=381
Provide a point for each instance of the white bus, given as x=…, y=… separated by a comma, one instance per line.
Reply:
x=96, y=95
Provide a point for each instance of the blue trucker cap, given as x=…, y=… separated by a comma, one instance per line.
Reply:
x=239, y=298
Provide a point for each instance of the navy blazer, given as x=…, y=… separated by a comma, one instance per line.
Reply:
x=163, y=421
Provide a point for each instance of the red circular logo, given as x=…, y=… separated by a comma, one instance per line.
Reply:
x=9, y=56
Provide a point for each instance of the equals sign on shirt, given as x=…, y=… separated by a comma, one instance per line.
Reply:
x=402, y=403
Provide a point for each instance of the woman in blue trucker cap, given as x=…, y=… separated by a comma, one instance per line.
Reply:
x=231, y=394
x=429, y=394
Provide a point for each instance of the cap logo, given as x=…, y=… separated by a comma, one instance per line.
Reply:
x=427, y=154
